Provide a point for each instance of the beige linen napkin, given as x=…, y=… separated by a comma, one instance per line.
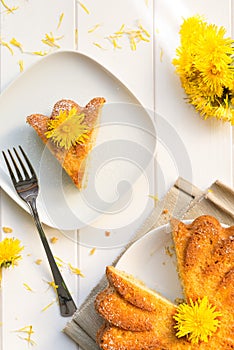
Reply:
x=183, y=201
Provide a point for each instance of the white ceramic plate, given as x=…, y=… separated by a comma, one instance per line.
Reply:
x=125, y=143
x=152, y=259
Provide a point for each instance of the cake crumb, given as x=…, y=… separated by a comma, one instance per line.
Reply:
x=7, y=229
x=107, y=233
x=179, y=301
x=38, y=261
x=53, y=240
x=169, y=250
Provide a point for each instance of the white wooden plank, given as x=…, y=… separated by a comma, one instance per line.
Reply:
x=201, y=150
x=19, y=307
x=28, y=25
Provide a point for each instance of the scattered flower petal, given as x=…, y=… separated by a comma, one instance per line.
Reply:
x=98, y=45
x=21, y=65
x=27, y=287
x=76, y=38
x=84, y=7
x=9, y=9
x=29, y=331
x=4, y=43
x=75, y=270
x=60, y=20
x=51, y=41
x=47, y=306
x=16, y=43
x=40, y=53
x=91, y=30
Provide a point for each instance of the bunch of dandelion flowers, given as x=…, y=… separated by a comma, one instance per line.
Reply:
x=10, y=249
x=205, y=64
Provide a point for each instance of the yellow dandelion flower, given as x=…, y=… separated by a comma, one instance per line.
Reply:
x=10, y=249
x=197, y=321
x=67, y=129
x=204, y=62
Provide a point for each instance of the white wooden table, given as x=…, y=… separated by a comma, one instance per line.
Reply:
x=201, y=151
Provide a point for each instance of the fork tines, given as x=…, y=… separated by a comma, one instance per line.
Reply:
x=22, y=172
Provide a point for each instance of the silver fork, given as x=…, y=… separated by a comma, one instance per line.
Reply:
x=26, y=185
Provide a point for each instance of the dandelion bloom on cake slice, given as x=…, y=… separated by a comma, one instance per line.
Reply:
x=197, y=321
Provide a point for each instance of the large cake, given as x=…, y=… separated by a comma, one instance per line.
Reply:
x=138, y=318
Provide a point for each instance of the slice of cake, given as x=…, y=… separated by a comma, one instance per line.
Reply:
x=70, y=133
x=132, y=314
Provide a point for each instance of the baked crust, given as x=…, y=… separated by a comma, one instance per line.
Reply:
x=73, y=160
x=118, y=312
x=134, y=291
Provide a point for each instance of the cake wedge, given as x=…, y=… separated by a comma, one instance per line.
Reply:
x=70, y=134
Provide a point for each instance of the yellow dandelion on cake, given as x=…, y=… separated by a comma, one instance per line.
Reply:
x=204, y=63
x=197, y=321
x=67, y=129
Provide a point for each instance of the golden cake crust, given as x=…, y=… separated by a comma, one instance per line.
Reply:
x=118, y=312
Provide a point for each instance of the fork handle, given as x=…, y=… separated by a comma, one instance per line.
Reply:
x=66, y=303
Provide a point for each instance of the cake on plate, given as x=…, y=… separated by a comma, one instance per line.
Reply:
x=70, y=133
